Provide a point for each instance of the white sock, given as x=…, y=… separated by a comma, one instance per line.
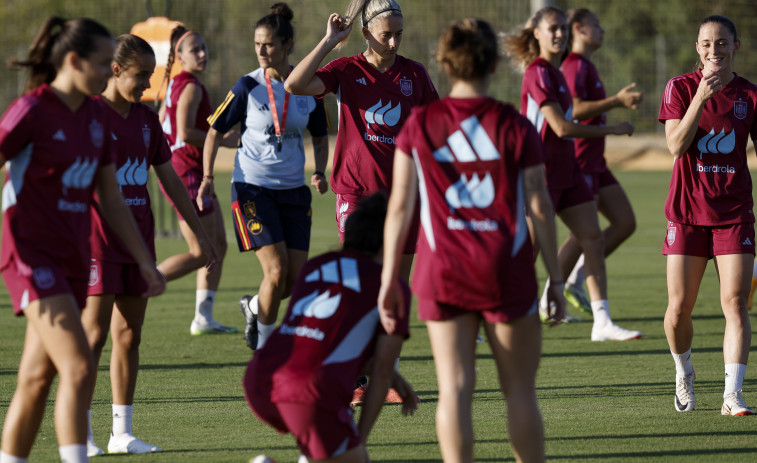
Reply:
x=6, y=458
x=734, y=377
x=543, y=300
x=74, y=453
x=204, y=301
x=122, y=419
x=264, y=332
x=683, y=363
x=601, y=311
x=89, y=425
x=577, y=276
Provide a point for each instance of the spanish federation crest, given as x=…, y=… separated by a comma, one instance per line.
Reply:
x=96, y=133
x=671, y=234
x=249, y=209
x=146, y=136
x=739, y=109
x=406, y=87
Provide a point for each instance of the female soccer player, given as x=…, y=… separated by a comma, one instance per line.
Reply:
x=376, y=90
x=590, y=105
x=545, y=99
x=184, y=113
x=115, y=299
x=709, y=115
x=478, y=166
x=301, y=381
x=55, y=142
x=270, y=201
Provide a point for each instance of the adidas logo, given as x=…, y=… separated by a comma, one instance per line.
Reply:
x=343, y=208
x=469, y=144
x=343, y=271
x=113, y=136
x=59, y=135
x=361, y=81
x=747, y=242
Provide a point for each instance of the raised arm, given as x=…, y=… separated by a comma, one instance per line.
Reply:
x=302, y=80
x=625, y=98
x=562, y=127
x=542, y=216
x=117, y=214
x=679, y=133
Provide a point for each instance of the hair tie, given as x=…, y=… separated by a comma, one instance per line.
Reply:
x=178, y=42
x=381, y=12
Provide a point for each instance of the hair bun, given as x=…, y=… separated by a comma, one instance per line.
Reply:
x=282, y=9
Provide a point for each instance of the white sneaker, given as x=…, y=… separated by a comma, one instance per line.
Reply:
x=734, y=405
x=199, y=327
x=684, y=399
x=249, y=307
x=127, y=443
x=93, y=450
x=262, y=459
x=568, y=318
x=612, y=332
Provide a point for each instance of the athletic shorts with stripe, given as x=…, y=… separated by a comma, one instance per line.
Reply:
x=264, y=216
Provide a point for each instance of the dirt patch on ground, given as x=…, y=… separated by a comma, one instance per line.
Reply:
x=639, y=152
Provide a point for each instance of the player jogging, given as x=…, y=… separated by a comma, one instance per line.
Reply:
x=55, y=144
x=477, y=164
x=115, y=301
x=545, y=99
x=184, y=113
x=270, y=203
x=709, y=115
x=590, y=105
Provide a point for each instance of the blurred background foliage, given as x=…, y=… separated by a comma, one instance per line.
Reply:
x=646, y=41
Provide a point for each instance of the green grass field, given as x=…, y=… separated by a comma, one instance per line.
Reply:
x=603, y=402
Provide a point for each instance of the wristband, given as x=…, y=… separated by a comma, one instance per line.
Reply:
x=208, y=176
x=319, y=173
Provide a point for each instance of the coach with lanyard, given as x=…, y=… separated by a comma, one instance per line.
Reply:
x=270, y=202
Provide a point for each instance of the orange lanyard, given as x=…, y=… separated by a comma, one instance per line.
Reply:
x=279, y=127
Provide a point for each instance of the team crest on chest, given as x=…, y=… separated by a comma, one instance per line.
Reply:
x=96, y=133
x=739, y=109
x=302, y=104
x=146, y=136
x=406, y=87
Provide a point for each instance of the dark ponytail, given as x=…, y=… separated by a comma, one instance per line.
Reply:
x=56, y=38
x=279, y=22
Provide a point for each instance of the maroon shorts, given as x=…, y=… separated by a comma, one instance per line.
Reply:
x=345, y=204
x=572, y=195
x=191, y=181
x=27, y=285
x=598, y=180
x=695, y=240
x=430, y=310
x=321, y=433
x=115, y=278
